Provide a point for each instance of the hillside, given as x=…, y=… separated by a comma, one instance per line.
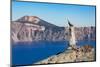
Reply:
x=32, y=28
x=84, y=53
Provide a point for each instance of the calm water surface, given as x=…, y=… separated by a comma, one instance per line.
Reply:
x=24, y=53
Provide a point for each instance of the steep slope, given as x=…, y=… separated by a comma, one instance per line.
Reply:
x=84, y=53
x=30, y=28
x=40, y=22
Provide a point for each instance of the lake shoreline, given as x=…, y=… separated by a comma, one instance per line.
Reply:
x=41, y=50
x=83, y=55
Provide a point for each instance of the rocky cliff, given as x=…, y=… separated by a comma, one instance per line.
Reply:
x=32, y=28
x=84, y=53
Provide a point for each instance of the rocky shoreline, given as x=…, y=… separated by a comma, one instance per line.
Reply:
x=84, y=53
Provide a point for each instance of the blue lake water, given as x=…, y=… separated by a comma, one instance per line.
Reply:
x=24, y=53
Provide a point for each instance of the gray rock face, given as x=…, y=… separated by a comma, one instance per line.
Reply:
x=32, y=28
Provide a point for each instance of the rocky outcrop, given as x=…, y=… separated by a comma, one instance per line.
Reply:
x=32, y=28
x=31, y=19
x=84, y=53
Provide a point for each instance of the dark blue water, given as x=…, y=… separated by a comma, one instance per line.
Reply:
x=24, y=53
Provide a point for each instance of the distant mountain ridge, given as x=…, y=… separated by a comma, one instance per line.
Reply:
x=36, y=20
x=30, y=28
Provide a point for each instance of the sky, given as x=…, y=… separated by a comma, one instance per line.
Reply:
x=57, y=14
